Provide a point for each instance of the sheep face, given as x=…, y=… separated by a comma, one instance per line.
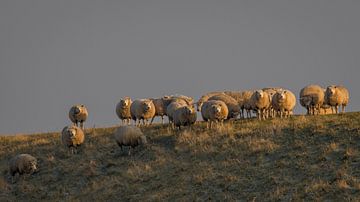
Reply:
x=125, y=102
x=72, y=133
x=147, y=106
x=32, y=166
x=259, y=94
x=216, y=109
x=77, y=110
x=331, y=90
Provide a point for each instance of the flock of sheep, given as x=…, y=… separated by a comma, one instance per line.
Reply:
x=215, y=107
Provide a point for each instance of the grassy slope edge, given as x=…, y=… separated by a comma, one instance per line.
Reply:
x=298, y=158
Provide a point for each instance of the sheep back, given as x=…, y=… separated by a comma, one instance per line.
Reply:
x=129, y=136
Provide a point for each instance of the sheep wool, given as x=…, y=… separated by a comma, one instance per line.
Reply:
x=22, y=164
x=142, y=109
x=72, y=137
x=78, y=115
x=123, y=110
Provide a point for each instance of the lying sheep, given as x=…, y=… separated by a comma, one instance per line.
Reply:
x=336, y=96
x=284, y=102
x=123, y=110
x=204, y=98
x=214, y=111
x=129, y=136
x=260, y=101
x=231, y=103
x=72, y=137
x=184, y=116
x=142, y=109
x=312, y=98
x=78, y=114
x=22, y=164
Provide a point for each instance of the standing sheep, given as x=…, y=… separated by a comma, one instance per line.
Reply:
x=246, y=105
x=204, y=98
x=284, y=102
x=184, y=116
x=72, y=137
x=260, y=101
x=271, y=91
x=312, y=98
x=129, y=136
x=173, y=106
x=336, y=96
x=22, y=164
x=142, y=109
x=231, y=103
x=160, y=107
x=214, y=111
x=78, y=114
x=123, y=110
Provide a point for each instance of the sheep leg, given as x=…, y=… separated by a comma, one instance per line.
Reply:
x=82, y=125
x=343, y=108
x=162, y=120
x=152, y=119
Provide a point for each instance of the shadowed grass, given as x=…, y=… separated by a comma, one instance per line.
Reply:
x=300, y=158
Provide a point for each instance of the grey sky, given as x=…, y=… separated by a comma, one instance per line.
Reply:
x=57, y=53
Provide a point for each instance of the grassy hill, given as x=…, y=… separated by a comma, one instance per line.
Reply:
x=301, y=158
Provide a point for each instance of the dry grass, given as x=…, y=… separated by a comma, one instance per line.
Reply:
x=301, y=158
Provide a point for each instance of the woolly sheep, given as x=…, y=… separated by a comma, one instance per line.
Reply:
x=271, y=91
x=260, y=101
x=239, y=96
x=284, y=102
x=123, y=110
x=129, y=136
x=204, y=98
x=231, y=103
x=78, y=114
x=184, y=116
x=160, y=106
x=336, y=96
x=214, y=111
x=72, y=137
x=22, y=164
x=312, y=98
x=188, y=99
x=142, y=109
x=246, y=105
x=173, y=106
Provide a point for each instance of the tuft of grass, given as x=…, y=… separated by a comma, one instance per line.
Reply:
x=299, y=158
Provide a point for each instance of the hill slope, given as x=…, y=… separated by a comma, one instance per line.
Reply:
x=297, y=158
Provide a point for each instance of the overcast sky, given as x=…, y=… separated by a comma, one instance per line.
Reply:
x=54, y=54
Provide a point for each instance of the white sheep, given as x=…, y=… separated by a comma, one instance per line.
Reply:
x=130, y=136
x=214, y=111
x=231, y=103
x=123, y=110
x=142, y=109
x=22, y=164
x=204, y=98
x=72, y=137
x=336, y=96
x=184, y=116
x=260, y=101
x=160, y=106
x=78, y=114
x=284, y=102
x=173, y=106
x=312, y=98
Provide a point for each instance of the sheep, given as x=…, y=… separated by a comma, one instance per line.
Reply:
x=142, y=109
x=231, y=103
x=271, y=91
x=22, y=164
x=188, y=99
x=336, y=96
x=260, y=101
x=284, y=102
x=78, y=114
x=214, y=111
x=184, y=116
x=246, y=105
x=173, y=106
x=239, y=97
x=129, y=136
x=123, y=110
x=160, y=107
x=325, y=109
x=204, y=98
x=72, y=137
x=312, y=98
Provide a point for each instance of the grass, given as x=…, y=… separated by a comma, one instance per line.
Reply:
x=300, y=158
